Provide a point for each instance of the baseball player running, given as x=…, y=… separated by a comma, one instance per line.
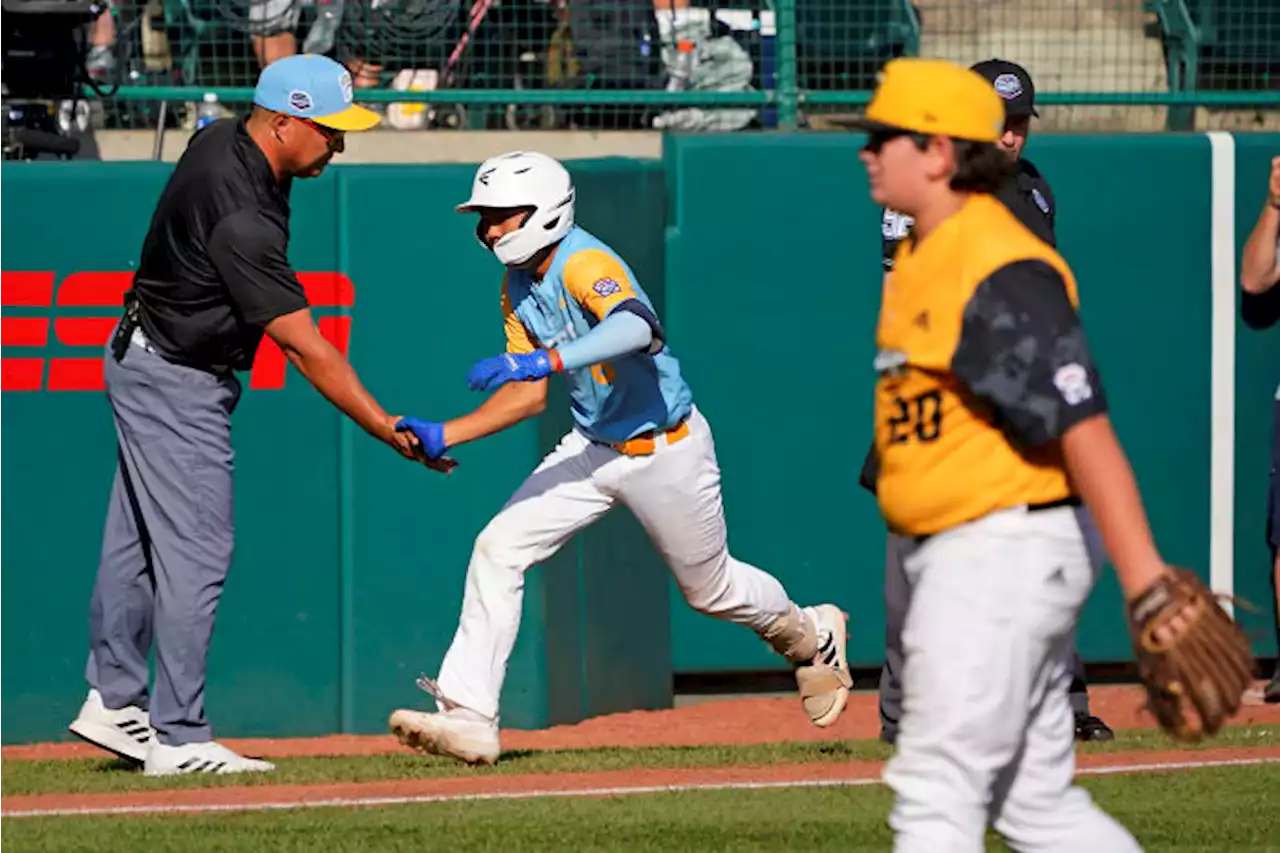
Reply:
x=572, y=306
x=991, y=428
x=1027, y=195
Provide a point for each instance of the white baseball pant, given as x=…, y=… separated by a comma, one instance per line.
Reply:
x=674, y=492
x=986, y=736
x=896, y=594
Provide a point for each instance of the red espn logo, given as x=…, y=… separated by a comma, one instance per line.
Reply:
x=106, y=290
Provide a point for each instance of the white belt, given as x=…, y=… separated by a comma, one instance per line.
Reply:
x=139, y=339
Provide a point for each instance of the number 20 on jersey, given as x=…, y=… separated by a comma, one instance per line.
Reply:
x=918, y=418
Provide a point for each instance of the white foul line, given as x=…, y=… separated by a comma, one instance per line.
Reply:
x=621, y=791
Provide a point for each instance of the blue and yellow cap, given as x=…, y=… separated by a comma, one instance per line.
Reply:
x=936, y=98
x=314, y=87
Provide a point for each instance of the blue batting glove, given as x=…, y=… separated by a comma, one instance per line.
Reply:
x=430, y=434
x=490, y=373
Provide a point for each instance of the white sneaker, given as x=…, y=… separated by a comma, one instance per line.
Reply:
x=825, y=681
x=125, y=731
x=456, y=733
x=206, y=757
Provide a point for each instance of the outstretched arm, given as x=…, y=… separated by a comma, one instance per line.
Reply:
x=248, y=251
x=506, y=407
x=332, y=375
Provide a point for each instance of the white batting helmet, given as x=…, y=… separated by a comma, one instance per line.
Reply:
x=525, y=179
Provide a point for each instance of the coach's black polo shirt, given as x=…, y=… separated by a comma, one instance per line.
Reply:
x=1028, y=197
x=215, y=266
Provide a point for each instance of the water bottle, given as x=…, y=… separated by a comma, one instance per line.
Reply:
x=682, y=68
x=208, y=111
x=321, y=36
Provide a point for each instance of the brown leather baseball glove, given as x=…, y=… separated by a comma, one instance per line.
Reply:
x=1193, y=659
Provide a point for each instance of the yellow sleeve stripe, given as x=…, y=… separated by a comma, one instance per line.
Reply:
x=519, y=341
x=597, y=280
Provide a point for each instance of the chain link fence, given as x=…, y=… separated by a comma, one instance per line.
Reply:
x=707, y=65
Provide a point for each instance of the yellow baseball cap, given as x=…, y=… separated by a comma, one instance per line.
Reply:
x=937, y=98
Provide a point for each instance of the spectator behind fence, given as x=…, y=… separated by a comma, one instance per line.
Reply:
x=616, y=47
x=273, y=25
x=1260, y=307
x=100, y=62
x=701, y=55
x=271, y=28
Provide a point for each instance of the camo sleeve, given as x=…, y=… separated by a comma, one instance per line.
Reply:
x=1022, y=349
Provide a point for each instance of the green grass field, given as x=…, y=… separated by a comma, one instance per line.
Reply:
x=1220, y=809
x=1209, y=809
x=103, y=775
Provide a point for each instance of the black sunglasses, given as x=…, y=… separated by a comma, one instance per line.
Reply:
x=877, y=139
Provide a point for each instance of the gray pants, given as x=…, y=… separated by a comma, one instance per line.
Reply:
x=167, y=543
x=897, y=595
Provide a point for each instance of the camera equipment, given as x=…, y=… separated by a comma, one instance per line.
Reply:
x=31, y=128
x=43, y=50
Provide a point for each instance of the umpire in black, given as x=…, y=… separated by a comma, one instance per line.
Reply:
x=1027, y=195
x=214, y=277
x=1260, y=309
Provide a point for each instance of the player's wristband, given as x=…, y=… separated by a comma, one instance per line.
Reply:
x=553, y=356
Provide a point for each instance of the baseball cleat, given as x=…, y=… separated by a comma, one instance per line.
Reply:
x=454, y=734
x=1091, y=728
x=825, y=681
x=1271, y=693
x=124, y=731
x=206, y=757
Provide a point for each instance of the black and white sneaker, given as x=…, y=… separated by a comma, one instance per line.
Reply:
x=825, y=681
x=207, y=757
x=124, y=731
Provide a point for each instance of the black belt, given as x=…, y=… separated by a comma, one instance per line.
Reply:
x=1069, y=501
x=129, y=322
x=1072, y=501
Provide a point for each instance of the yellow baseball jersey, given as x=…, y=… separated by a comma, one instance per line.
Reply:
x=982, y=367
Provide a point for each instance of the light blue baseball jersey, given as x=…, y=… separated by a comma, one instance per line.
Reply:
x=612, y=401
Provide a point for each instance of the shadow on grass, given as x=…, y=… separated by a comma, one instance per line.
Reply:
x=116, y=765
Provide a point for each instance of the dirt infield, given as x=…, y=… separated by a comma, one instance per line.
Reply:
x=716, y=722
x=726, y=722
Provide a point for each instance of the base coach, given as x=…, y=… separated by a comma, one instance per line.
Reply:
x=214, y=277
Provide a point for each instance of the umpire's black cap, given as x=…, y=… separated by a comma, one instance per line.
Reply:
x=1012, y=83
